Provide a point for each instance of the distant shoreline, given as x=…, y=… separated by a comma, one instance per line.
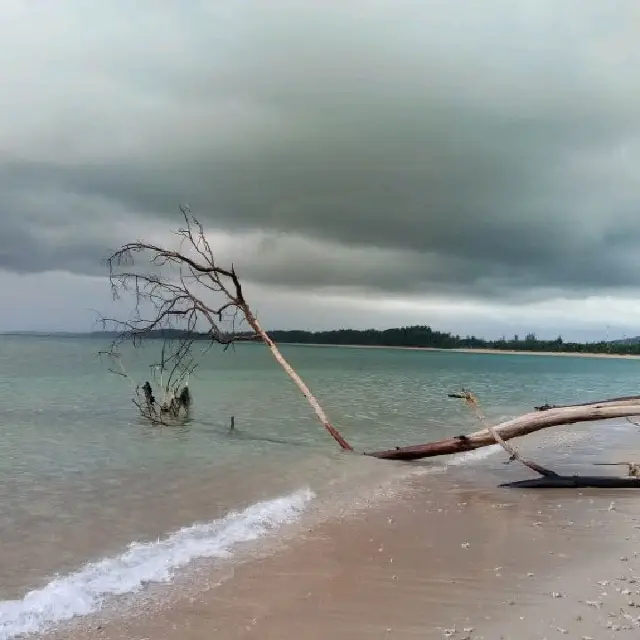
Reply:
x=481, y=350
x=511, y=352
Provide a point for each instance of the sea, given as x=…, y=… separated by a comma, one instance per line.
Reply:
x=101, y=512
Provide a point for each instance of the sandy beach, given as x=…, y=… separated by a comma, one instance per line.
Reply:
x=446, y=559
x=485, y=351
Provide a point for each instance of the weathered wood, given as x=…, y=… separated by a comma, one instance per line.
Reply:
x=516, y=455
x=520, y=426
x=472, y=401
x=291, y=372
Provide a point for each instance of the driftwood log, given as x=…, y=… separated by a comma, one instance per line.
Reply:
x=622, y=407
x=515, y=428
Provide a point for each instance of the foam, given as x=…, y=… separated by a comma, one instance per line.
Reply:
x=475, y=455
x=86, y=590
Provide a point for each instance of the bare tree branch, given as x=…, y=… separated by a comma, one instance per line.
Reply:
x=472, y=401
x=186, y=290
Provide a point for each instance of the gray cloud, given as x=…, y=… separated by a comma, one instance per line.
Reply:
x=415, y=147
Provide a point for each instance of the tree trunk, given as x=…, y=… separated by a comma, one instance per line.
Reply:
x=311, y=399
x=520, y=426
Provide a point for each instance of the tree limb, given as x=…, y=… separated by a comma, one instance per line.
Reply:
x=516, y=427
x=472, y=401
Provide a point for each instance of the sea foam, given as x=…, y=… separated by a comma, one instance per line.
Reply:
x=85, y=591
x=475, y=455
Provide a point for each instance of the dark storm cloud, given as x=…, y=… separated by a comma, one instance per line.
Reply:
x=427, y=147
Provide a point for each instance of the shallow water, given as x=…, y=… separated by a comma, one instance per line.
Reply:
x=81, y=478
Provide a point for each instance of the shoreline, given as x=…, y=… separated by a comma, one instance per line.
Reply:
x=453, y=558
x=509, y=352
x=488, y=351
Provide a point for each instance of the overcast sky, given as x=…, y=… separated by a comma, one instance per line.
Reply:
x=470, y=165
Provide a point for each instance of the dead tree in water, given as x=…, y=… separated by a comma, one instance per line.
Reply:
x=174, y=403
x=186, y=288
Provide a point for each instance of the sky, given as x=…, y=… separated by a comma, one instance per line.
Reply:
x=364, y=163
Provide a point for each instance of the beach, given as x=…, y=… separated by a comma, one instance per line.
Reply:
x=444, y=559
x=316, y=319
x=115, y=529
x=511, y=352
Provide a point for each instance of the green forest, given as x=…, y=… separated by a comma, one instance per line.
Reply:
x=425, y=337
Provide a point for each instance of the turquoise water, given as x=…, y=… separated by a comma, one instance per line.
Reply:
x=81, y=477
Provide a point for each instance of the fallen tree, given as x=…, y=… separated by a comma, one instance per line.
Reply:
x=529, y=423
x=514, y=428
x=186, y=288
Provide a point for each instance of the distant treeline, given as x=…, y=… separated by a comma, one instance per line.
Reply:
x=420, y=336
x=425, y=337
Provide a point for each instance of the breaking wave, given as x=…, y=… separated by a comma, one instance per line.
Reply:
x=85, y=591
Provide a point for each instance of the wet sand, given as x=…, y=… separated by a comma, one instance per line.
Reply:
x=446, y=558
